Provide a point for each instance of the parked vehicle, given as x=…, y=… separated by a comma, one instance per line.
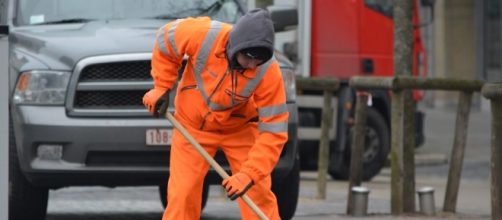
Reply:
x=78, y=71
x=342, y=39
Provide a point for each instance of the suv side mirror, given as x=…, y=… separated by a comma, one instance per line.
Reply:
x=284, y=17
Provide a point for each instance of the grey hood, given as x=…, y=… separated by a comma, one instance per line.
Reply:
x=62, y=46
x=254, y=29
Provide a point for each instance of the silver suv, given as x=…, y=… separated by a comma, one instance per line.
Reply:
x=78, y=71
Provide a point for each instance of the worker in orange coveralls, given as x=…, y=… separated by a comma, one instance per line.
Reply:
x=231, y=97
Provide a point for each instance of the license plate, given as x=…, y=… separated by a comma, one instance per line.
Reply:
x=158, y=137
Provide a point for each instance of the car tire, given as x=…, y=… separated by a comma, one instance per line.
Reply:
x=163, y=195
x=286, y=192
x=376, y=150
x=25, y=200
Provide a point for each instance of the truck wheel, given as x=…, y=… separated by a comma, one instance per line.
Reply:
x=25, y=200
x=286, y=192
x=376, y=149
x=163, y=195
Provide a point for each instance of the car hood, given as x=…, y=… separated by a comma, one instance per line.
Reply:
x=62, y=46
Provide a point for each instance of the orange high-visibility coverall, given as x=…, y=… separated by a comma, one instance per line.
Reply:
x=243, y=112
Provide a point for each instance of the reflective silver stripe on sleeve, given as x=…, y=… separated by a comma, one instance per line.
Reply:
x=201, y=61
x=170, y=36
x=272, y=110
x=251, y=85
x=273, y=127
x=161, y=44
x=216, y=107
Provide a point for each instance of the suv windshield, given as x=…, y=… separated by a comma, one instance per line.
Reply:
x=36, y=12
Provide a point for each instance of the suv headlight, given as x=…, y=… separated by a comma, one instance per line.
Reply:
x=288, y=75
x=41, y=87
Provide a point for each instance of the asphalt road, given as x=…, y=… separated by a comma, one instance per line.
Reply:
x=79, y=203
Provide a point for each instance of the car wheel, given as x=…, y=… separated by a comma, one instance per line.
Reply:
x=376, y=148
x=163, y=195
x=25, y=200
x=286, y=192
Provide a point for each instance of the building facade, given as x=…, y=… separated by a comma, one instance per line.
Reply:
x=465, y=43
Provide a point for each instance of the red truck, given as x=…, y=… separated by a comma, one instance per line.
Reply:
x=341, y=39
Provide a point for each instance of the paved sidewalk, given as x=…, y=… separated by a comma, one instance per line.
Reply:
x=79, y=203
x=431, y=170
x=473, y=201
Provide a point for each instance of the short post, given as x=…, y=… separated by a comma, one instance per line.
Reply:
x=327, y=117
x=493, y=91
x=360, y=200
x=408, y=152
x=457, y=153
x=358, y=136
x=396, y=153
x=426, y=200
x=328, y=86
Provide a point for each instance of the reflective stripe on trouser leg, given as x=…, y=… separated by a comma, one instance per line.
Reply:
x=187, y=172
x=236, y=148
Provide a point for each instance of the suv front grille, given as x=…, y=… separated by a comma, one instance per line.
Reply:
x=122, y=71
x=110, y=86
x=109, y=99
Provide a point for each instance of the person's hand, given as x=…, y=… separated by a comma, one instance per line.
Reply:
x=156, y=101
x=237, y=185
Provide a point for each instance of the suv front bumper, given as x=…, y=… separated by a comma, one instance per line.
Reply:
x=108, y=151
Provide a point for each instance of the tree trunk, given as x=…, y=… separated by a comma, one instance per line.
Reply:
x=401, y=198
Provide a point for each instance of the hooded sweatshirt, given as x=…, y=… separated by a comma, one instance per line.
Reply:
x=213, y=98
x=254, y=29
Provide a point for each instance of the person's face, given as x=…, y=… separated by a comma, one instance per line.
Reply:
x=248, y=62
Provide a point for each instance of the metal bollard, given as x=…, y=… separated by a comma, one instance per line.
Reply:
x=426, y=200
x=359, y=200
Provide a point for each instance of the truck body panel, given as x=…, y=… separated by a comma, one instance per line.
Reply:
x=335, y=42
x=349, y=35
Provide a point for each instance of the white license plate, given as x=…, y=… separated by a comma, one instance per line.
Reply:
x=158, y=137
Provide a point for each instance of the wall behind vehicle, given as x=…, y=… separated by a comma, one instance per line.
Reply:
x=454, y=50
